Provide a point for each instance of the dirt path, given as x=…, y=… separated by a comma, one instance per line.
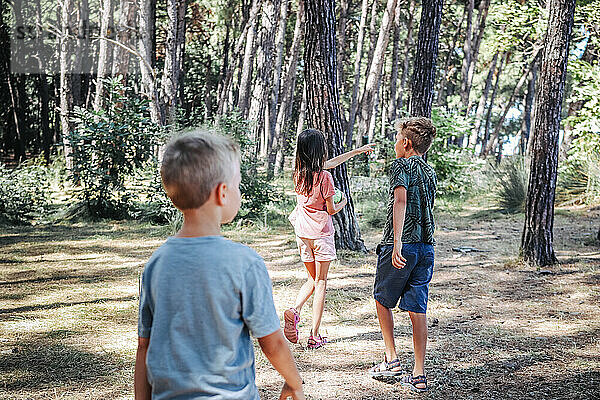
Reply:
x=498, y=329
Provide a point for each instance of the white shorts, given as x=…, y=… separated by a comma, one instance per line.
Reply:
x=321, y=249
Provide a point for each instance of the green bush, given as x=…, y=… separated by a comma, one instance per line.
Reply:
x=23, y=193
x=108, y=145
x=511, y=177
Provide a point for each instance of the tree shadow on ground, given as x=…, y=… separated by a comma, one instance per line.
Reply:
x=62, y=304
x=37, y=363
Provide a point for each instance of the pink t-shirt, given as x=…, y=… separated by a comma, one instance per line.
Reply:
x=310, y=217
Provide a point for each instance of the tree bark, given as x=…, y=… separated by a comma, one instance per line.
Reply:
x=391, y=104
x=146, y=51
x=127, y=14
x=526, y=122
x=174, y=53
x=357, y=67
x=289, y=84
x=407, y=47
x=323, y=111
x=104, y=52
x=66, y=94
x=423, y=78
x=248, y=60
x=537, y=240
x=467, y=55
x=341, y=46
x=374, y=75
x=475, y=45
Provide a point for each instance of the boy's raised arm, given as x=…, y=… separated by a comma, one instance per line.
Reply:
x=143, y=390
x=335, y=161
x=277, y=351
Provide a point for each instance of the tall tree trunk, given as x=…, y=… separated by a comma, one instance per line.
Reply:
x=482, y=102
x=226, y=91
x=66, y=95
x=341, y=47
x=172, y=71
x=121, y=56
x=537, y=241
x=488, y=118
x=262, y=86
x=104, y=52
x=467, y=55
x=475, y=46
x=391, y=104
x=289, y=84
x=526, y=122
x=423, y=78
x=147, y=55
x=273, y=109
x=248, y=60
x=357, y=67
x=323, y=107
x=407, y=47
x=509, y=104
x=374, y=76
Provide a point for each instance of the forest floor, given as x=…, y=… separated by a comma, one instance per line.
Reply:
x=498, y=329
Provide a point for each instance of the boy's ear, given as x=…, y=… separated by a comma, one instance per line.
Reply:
x=221, y=193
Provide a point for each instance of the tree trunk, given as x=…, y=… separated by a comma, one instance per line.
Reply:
x=357, y=67
x=66, y=94
x=467, y=55
x=423, y=78
x=475, y=45
x=488, y=117
x=248, y=60
x=526, y=122
x=374, y=76
x=482, y=102
x=323, y=107
x=391, y=104
x=145, y=49
x=537, y=240
x=508, y=105
x=341, y=46
x=274, y=100
x=263, y=84
x=289, y=84
x=104, y=52
x=121, y=56
x=227, y=85
x=407, y=46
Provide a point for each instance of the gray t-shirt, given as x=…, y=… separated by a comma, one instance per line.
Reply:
x=200, y=300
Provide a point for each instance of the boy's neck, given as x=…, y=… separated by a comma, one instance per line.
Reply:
x=199, y=222
x=411, y=153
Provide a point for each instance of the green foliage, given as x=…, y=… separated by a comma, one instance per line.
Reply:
x=108, y=145
x=256, y=188
x=452, y=164
x=579, y=176
x=511, y=178
x=23, y=192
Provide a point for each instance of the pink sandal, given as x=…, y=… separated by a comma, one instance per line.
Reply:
x=314, y=342
x=290, y=327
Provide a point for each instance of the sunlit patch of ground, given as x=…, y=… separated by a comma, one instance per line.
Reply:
x=498, y=328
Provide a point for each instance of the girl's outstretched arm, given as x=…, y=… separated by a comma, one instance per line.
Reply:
x=335, y=161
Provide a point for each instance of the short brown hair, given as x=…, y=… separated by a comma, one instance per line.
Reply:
x=419, y=130
x=194, y=163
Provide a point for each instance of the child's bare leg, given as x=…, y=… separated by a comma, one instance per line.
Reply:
x=419, y=326
x=322, y=267
x=307, y=289
x=386, y=322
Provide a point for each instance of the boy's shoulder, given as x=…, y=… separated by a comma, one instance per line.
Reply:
x=220, y=248
x=411, y=165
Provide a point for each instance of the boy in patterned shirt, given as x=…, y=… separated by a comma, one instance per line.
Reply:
x=405, y=255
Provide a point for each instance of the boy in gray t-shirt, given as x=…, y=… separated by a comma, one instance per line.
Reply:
x=202, y=295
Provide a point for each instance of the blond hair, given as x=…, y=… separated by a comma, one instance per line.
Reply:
x=194, y=163
x=419, y=130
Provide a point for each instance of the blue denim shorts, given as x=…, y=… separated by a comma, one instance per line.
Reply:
x=410, y=284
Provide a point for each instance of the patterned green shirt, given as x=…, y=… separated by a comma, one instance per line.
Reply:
x=420, y=182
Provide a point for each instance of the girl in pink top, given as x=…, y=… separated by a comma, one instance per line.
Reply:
x=313, y=226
